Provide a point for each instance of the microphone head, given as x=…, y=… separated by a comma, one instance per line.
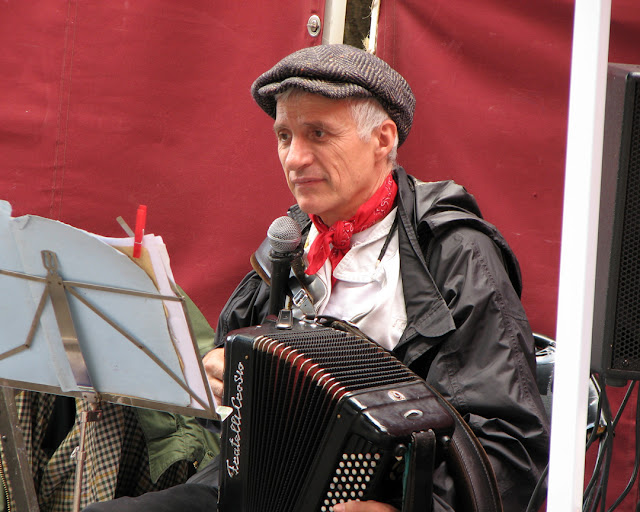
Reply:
x=284, y=234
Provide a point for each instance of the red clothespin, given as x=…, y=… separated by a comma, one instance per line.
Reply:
x=141, y=219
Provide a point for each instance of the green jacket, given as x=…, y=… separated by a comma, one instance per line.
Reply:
x=169, y=437
x=173, y=437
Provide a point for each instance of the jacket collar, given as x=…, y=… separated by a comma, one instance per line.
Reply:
x=427, y=312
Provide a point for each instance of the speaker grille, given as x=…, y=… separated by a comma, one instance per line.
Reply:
x=626, y=347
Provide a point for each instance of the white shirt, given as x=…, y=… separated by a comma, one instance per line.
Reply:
x=366, y=294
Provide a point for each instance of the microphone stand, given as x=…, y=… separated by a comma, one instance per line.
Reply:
x=280, y=268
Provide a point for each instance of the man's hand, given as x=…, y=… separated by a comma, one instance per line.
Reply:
x=363, y=506
x=214, y=368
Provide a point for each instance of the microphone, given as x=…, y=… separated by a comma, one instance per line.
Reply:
x=284, y=238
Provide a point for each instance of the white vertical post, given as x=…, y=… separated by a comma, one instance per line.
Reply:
x=335, y=12
x=578, y=253
x=373, y=28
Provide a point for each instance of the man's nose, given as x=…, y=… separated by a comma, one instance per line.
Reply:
x=299, y=154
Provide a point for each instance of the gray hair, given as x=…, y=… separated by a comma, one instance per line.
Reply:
x=367, y=113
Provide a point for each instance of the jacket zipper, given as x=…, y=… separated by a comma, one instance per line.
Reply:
x=5, y=484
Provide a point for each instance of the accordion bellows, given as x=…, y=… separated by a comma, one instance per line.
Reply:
x=320, y=416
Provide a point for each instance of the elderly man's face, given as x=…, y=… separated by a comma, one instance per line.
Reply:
x=330, y=170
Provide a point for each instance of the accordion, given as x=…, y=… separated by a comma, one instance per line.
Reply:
x=322, y=416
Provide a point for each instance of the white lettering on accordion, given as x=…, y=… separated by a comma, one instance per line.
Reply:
x=235, y=425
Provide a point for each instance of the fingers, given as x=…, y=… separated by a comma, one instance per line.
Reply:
x=363, y=506
x=214, y=368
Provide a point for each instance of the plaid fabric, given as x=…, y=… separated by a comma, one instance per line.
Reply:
x=116, y=465
x=339, y=71
x=33, y=433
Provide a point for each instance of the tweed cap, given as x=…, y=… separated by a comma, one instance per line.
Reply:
x=339, y=71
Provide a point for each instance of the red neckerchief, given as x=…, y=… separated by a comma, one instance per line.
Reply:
x=335, y=241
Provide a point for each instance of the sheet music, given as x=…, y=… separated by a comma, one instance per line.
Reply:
x=117, y=365
x=155, y=261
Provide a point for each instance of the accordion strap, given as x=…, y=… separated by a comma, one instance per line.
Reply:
x=475, y=480
x=418, y=485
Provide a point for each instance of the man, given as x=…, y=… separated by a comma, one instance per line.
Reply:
x=412, y=264
x=441, y=297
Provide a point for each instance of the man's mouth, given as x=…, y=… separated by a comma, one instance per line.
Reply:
x=305, y=180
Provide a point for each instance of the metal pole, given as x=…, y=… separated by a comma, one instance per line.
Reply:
x=578, y=253
x=14, y=452
x=92, y=415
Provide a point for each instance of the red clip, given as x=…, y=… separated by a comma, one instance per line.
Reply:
x=141, y=219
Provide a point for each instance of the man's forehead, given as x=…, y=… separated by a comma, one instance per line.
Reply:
x=311, y=109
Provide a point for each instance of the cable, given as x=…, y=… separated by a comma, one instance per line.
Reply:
x=596, y=490
x=636, y=465
x=608, y=454
x=593, y=493
x=623, y=404
x=531, y=507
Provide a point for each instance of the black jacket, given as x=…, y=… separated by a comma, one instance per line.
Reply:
x=467, y=333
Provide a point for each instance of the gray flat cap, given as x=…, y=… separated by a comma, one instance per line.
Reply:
x=339, y=71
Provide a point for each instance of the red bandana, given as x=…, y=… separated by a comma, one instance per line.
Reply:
x=335, y=241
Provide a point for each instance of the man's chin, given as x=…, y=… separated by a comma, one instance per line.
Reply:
x=310, y=209
x=309, y=206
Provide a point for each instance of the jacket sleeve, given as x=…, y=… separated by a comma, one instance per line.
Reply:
x=247, y=306
x=486, y=367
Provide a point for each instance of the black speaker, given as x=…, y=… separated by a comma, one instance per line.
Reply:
x=615, y=349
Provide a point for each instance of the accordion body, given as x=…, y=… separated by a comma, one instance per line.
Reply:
x=320, y=416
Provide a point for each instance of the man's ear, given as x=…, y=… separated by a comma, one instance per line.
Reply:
x=386, y=135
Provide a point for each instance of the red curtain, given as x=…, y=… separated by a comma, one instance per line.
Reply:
x=108, y=105
x=492, y=83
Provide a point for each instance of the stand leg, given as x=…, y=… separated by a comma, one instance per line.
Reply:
x=17, y=465
x=81, y=454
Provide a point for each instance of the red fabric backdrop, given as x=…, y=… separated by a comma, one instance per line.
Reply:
x=108, y=105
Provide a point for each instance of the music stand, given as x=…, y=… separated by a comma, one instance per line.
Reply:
x=80, y=318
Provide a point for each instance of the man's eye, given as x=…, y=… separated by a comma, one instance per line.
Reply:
x=283, y=137
x=318, y=133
